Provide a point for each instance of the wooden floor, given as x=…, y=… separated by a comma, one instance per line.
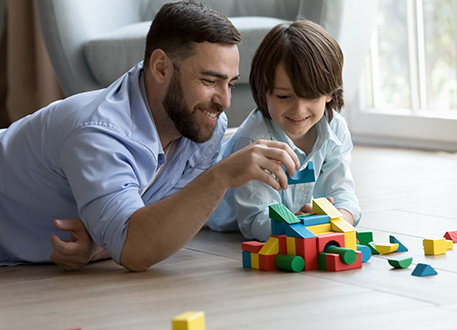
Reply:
x=409, y=194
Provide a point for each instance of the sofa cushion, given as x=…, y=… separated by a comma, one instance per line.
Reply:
x=112, y=54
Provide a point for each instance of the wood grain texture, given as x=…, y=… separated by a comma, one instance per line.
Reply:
x=405, y=193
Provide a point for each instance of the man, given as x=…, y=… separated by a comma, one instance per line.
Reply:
x=133, y=161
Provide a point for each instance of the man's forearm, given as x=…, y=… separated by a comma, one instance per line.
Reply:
x=159, y=230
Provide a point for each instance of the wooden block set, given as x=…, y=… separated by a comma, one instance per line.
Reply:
x=322, y=240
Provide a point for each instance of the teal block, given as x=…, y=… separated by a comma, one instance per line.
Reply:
x=298, y=230
x=303, y=176
x=278, y=228
x=246, y=259
x=315, y=220
x=423, y=270
x=401, y=247
x=366, y=252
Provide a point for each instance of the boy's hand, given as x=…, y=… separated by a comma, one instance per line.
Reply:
x=74, y=254
x=307, y=208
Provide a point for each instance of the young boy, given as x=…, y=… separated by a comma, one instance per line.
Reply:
x=296, y=82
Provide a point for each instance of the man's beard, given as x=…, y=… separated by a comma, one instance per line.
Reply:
x=186, y=121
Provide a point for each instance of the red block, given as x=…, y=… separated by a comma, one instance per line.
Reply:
x=282, y=243
x=334, y=263
x=451, y=235
x=337, y=239
x=307, y=249
x=252, y=246
x=267, y=262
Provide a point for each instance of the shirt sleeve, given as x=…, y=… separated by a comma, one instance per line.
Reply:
x=335, y=178
x=103, y=176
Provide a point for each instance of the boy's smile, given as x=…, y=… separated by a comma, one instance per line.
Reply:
x=294, y=114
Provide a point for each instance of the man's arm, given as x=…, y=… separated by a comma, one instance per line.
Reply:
x=159, y=230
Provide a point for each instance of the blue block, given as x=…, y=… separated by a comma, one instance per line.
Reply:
x=298, y=230
x=423, y=270
x=246, y=259
x=366, y=252
x=401, y=247
x=278, y=227
x=315, y=220
x=303, y=176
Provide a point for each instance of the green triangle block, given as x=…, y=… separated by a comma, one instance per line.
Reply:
x=423, y=270
x=372, y=247
x=400, y=262
x=279, y=212
x=364, y=237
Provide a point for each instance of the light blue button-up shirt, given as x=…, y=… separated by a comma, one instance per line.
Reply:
x=246, y=208
x=90, y=156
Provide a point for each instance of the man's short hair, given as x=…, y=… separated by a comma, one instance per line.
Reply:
x=177, y=26
x=313, y=61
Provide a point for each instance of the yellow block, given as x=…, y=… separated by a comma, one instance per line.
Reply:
x=254, y=260
x=291, y=246
x=270, y=247
x=350, y=240
x=189, y=321
x=341, y=226
x=433, y=247
x=323, y=207
x=386, y=248
x=449, y=244
x=319, y=229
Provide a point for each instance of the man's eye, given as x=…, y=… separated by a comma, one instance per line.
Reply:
x=210, y=82
x=231, y=86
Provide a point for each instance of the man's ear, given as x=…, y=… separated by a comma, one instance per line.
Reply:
x=160, y=66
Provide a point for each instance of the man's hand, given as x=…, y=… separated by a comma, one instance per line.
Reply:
x=79, y=251
x=259, y=161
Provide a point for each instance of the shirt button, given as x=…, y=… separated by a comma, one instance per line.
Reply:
x=302, y=188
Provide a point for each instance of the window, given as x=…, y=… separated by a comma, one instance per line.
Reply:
x=408, y=94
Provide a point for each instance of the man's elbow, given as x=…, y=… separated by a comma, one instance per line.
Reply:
x=137, y=263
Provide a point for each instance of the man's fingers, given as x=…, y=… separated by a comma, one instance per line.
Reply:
x=69, y=225
x=63, y=247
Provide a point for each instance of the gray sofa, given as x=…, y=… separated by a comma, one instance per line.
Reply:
x=93, y=42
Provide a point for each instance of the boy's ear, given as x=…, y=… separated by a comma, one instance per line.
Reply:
x=328, y=99
x=160, y=66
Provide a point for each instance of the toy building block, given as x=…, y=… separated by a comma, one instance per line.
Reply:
x=322, y=260
x=386, y=248
x=433, y=247
x=267, y=262
x=347, y=256
x=279, y=212
x=189, y=321
x=298, y=230
x=314, y=219
x=423, y=270
x=400, y=262
x=350, y=240
x=366, y=252
x=324, y=207
x=401, y=247
x=320, y=229
x=341, y=226
x=336, y=239
x=303, y=176
x=270, y=247
x=278, y=227
x=372, y=247
x=307, y=249
x=334, y=263
x=364, y=237
x=252, y=246
x=451, y=235
x=291, y=246
x=255, y=260
x=246, y=259
x=289, y=263
x=449, y=244
x=282, y=241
